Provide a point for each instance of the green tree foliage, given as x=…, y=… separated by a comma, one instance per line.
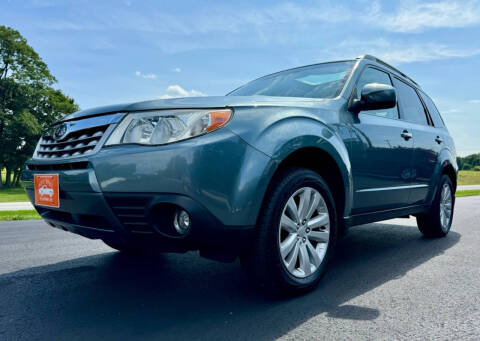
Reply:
x=28, y=103
x=470, y=162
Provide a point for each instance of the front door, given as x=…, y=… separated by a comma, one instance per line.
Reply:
x=381, y=153
x=426, y=141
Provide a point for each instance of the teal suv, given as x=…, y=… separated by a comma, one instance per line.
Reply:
x=274, y=172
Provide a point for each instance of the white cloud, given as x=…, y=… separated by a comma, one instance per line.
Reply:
x=398, y=52
x=200, y=21
x=177, y=69
x=474, y=101
x=417, y=16
x=288, y=12
x=425, y=52
x=145, y=75
x=174, y=91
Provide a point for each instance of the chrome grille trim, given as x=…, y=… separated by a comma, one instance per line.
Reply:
x=84, y=137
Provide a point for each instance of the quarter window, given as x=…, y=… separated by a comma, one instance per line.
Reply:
x=432, y=109
x=411, y=108
x=371, y=75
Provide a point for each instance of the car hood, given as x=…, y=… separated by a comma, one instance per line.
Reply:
x=201, y=102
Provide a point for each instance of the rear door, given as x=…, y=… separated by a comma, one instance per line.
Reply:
x=440, y=135
x=380, y=153
x=426, y=141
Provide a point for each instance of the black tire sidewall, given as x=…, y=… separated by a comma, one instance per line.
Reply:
x=430, y=223
x=292, y=181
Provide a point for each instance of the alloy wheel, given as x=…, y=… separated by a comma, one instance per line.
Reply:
x=304, y=232
x=446, y=206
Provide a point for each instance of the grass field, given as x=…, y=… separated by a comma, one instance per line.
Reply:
x=468, y=178
x=467, y=193
x=16, y=194
x=19, y=215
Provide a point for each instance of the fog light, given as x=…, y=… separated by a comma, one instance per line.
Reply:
x=181, y=221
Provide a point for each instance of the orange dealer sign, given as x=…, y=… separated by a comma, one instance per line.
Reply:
x=46, y=190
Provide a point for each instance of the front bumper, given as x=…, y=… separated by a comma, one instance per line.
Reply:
x=141, y=219
x=128, y=193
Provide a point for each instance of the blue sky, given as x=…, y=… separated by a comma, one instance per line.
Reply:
x=106, y=52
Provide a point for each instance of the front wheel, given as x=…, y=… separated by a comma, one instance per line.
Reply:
x=296, y=233
x=438, y=220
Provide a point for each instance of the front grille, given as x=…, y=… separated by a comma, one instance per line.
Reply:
x=78, y=143
x=82, y=137
x=130, y=210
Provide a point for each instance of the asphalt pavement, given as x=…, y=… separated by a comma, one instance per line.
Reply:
x=386, y=282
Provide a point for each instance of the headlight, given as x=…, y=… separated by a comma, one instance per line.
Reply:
x=166, y=126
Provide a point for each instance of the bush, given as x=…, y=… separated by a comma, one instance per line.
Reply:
x=470, y=162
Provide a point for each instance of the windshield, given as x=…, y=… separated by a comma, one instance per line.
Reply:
x=315, y=81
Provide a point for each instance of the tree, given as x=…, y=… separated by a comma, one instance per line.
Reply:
x=28, y=103
x=469, y=162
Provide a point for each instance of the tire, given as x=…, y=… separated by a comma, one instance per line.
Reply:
x=264, y=262
x=437, y=221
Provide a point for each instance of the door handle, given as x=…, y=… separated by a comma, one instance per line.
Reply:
x=438, y=139
x=406, y=135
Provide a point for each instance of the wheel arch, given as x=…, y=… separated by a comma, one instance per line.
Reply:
x=326, y=165
x=448, y=166
x=448, y=170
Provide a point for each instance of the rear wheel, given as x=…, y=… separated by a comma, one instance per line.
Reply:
x=438, y=220
x=296, y=233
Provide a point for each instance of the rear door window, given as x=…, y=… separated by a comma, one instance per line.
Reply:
x=432, y=109
x=411, y=108
x=371, y=75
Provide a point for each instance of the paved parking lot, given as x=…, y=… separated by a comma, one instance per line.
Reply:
x=387, y=282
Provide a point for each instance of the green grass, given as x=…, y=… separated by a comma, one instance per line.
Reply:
x=467, y=193
x=468, y=178
x=19, y=215
x=15, y=194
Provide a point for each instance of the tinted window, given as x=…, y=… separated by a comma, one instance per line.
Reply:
x=411, y=108
x=316, y=81
x=432, y=109
x=371, y=75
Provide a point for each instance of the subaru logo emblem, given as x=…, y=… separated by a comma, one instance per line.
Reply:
x=60, y=132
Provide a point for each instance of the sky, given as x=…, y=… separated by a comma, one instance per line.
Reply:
x=105, y=52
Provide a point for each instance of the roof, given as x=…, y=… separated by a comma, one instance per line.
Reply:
x=379, y=61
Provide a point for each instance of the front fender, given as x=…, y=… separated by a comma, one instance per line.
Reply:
x=284, y=134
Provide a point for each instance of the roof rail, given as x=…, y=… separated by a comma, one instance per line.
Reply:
x=370, y=57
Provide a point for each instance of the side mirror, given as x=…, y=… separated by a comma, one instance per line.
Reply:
x=374, y=96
